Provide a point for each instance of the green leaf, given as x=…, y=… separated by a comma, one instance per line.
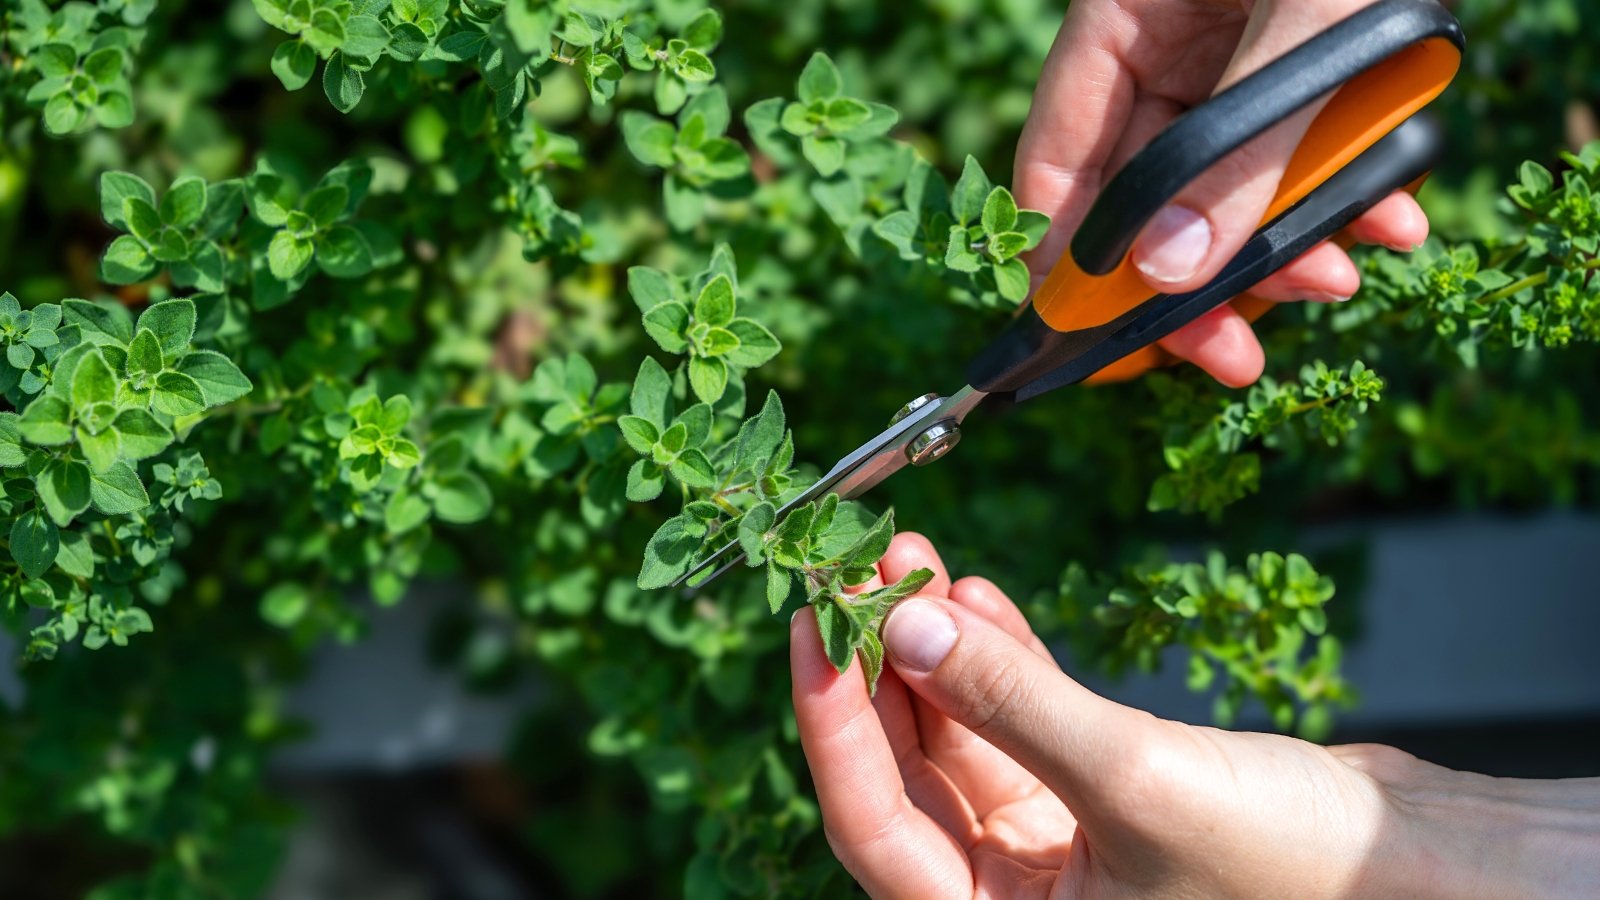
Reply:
x=100, y=449
x=649, y=139
x=142, y=218
x=645, y=481
x=365, y=37
x=294, y=62
x=971, y=193
x=97, y=323
x=64, y=489
x=666, y=324
x=34, y=543
x=840, y=632
x=461, y=498
x=760, y=437
x=704, y=31
x=694, y=469
x=144, y=355
x=46, y=421
x=176, y=394
x=1011, y=278
x=173, y=322
x=11, y=450
x=649, y=287
x=342, y=84
x=219, y=379
x=757, y=345
x=104, y=66
x=327, y=31
x=142, y=435
x=1034, y=225
x=407, y=42
x=184, y=202
x=753, y=528
x=530, y=25
x=824, y=152
x=75, y=555
x=63, y=116
x=999, y=212
x=118, y=491
x=708, y=378
x=1006, y=245
x=871, y=661
x=269, y=198
x=670, y=551
x=819, y=80
x=685, y=203
x=55, y=60
x=715, y=305
x=651, y=398
x=845, y=114
x=798, y=120
x=326, y=204
x=871, y=546
x=285, y=604
x=344, y=252
x=696, y=421
x=93, y=382
x=959, y=255
x=640, y=433
x=694, y=67
x=117, y=187
x=115, y=110
x=405, y=511
x=288, y=255
x=779, y=584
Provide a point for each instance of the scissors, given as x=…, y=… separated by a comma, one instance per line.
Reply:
x=1095, y=320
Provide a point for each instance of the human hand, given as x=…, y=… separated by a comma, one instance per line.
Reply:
x=981, y=769
x=1121, y=70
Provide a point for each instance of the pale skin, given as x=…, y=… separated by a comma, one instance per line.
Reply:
x=981, y=769
x=994, y=774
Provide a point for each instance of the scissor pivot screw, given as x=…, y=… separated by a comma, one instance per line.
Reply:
x=912, y=407
x=933, y=443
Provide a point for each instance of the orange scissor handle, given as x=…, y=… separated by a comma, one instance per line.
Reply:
x=1384, y=63
x=1248, y=305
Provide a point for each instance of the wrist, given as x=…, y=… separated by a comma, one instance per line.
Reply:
x=1478, y=836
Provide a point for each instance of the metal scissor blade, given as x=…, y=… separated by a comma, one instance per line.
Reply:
x=855, y=474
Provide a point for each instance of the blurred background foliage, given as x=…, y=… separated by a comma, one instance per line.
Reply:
x=145, y=766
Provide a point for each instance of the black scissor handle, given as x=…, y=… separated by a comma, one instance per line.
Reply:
x=1200, y=138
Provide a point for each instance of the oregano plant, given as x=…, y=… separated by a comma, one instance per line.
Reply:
x=535, y=303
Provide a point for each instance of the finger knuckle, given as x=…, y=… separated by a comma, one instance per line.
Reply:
x=995, y=687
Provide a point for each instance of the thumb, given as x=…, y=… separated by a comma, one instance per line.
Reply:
x=1187, y=242
x=983, y=678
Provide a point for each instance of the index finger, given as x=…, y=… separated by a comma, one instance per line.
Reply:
x=890, y=846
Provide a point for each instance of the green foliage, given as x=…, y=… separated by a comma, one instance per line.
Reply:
x=1534, y=289
x=1252, y=625
x=74, y=60
x=336, y=342
x=1208, y=466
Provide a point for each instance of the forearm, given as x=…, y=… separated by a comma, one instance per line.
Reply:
x=1503, y=837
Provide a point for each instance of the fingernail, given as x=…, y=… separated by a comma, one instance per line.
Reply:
x=920, y=634
x=1174, y=244
x=1326, y=297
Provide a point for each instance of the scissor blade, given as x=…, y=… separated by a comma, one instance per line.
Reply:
x=863, y=469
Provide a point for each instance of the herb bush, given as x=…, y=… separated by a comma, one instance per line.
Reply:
x=309, y=300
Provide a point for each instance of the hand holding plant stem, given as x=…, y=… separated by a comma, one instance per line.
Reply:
x=980, y=768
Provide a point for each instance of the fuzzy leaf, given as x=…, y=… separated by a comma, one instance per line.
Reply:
x=34, y=543
x=819, y=80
